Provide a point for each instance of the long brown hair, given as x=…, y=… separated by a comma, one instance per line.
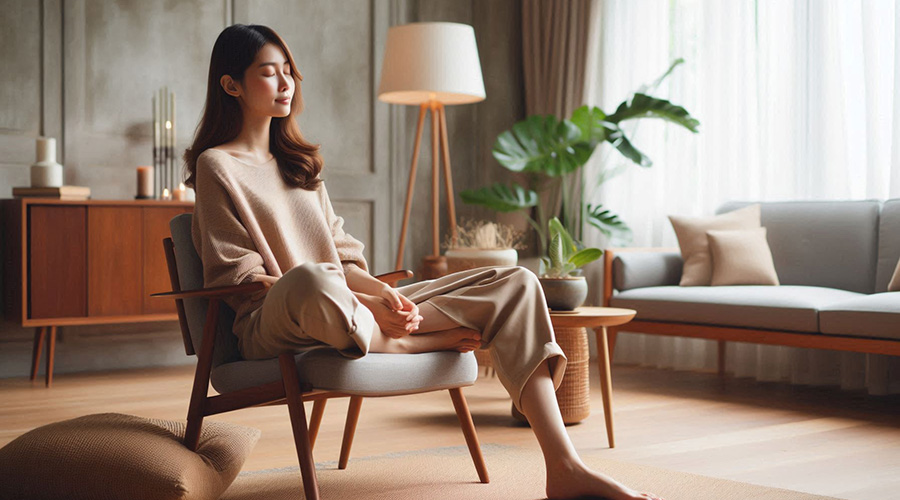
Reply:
x=234, y=51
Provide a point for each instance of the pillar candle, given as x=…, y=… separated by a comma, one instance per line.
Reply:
x=179, y=193
x=144, y=182
x=46, y=149
x=166, y=195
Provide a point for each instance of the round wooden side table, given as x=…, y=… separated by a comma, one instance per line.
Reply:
x=570, y=328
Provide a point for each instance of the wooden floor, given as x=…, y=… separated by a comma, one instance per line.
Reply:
x=820, y=441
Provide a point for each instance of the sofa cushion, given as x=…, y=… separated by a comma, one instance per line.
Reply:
x=875, y=315
x=115, y=456
x=888, y=244
x=793, y=308
x=741, y=257
x=832, y=244
x=691, y=233
x=642, y=269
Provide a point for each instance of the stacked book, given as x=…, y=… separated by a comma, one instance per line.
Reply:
x=60, y=193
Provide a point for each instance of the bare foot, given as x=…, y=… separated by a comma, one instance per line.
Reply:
x=568, y=481
x=456, y=339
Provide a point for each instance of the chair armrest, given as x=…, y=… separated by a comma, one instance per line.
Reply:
x=215, y=292
x=628, y=268
x=393, y=277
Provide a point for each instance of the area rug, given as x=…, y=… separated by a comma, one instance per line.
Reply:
x=515, y=473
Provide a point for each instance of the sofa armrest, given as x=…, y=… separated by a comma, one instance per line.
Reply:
x=627, y=268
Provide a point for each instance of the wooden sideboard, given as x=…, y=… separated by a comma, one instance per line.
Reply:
x=83, y=263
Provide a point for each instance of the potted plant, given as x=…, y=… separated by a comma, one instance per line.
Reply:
x=551, y=152
x=483, y=243
x=564, y=286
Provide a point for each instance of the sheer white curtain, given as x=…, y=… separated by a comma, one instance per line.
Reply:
x=797, y=99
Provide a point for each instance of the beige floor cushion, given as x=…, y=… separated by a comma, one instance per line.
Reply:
x=115, y=456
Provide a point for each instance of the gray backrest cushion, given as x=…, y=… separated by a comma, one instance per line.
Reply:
x=645, y=269
x=190, y=277
x=888, y=243
x=822, y=243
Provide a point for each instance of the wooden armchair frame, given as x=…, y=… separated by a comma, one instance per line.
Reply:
x=290, y=390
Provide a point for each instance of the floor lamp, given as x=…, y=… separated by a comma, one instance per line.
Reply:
x=431, y=65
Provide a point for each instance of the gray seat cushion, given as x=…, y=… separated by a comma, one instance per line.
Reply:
x=374, y=374
x=793, y=308
x=875, y=315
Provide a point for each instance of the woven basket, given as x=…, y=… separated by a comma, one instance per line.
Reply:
x=574, y=392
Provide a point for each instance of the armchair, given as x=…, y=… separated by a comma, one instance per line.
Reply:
x=293, y=378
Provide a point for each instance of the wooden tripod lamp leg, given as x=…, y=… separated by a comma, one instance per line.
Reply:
x=435, y=183
x=448, y=177
x=409, y=188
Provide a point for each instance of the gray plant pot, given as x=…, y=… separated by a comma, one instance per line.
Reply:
x=565, y=294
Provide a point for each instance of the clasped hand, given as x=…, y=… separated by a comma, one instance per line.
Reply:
x=396, y=315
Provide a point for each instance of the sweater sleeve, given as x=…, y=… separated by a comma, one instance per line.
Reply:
x=349, y=249
x=228, y=254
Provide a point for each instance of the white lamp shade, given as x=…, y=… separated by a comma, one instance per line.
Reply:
x=425, y=61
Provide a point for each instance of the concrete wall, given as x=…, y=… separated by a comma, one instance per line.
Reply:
x=84, y=71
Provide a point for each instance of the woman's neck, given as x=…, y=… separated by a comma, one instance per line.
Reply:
x=254, y=136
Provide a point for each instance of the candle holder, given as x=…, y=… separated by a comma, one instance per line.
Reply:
x=164, y=140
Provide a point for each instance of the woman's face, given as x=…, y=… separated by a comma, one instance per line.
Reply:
x=268, y=88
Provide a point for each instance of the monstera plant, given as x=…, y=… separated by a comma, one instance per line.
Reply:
x=552, y=152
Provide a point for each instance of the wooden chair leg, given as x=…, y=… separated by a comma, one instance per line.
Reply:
x=294, y=396
x=51, y=350
x=39, y=334
x=350, y=430
x=721, y=361
x=316, y=420
x=468, y=428
x=196, y=408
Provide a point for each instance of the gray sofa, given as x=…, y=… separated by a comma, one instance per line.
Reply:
x=834, y=261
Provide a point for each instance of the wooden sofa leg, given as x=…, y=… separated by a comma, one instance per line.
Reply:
x=294, y=396
x=468, y=428
x=315, y=421
x=350, y=430
x=721, y=361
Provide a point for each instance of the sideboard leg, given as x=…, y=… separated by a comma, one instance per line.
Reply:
x=39, y=334
x=51, y=348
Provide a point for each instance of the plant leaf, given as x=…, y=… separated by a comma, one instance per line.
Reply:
x=542, y=144
x=569, y=246
x=608, y=223
x=501, y=198
x=619, y=141
x=555, y=251
x=592, y=123
x=585, y=256
x=645, y=106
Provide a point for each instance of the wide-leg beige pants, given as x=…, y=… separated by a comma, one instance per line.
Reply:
x=312, y=307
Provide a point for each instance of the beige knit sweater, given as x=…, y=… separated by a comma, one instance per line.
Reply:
x=249, y=225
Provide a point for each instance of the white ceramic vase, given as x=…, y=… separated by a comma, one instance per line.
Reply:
x=45, y=172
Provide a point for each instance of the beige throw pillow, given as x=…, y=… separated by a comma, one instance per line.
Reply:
x=741, y=257
x=691, y=233
x=895, y=280
x=114, y=456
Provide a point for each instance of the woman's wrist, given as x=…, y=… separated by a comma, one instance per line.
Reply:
x=363, y=282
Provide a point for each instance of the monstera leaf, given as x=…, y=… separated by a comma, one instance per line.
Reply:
x=644, y=106
x=501, y=198
x=608, y=223
x=542, y=144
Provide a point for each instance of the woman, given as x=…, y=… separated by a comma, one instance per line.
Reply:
x=263, y=214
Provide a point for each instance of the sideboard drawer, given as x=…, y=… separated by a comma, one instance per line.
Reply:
x=57, y=263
